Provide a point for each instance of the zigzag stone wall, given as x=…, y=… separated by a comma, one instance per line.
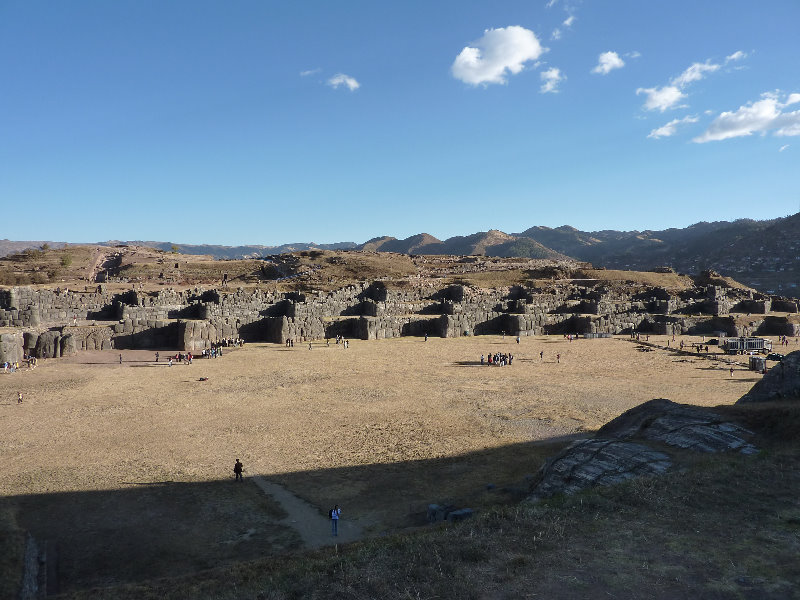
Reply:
x=194, y=319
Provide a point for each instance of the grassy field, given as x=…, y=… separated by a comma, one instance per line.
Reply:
x=127, y=467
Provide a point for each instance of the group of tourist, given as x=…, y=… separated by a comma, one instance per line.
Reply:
x=212, y=352
x=10, y=366
x=498, y=359
x=784, y=341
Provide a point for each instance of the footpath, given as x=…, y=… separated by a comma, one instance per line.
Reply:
x=313, y=526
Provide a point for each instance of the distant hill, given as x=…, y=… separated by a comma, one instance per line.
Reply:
x=761, y=254
x=484, y=243
x=234, y=252
x=222, y=252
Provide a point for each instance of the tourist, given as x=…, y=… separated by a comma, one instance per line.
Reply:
x=541, y=355
x=120, y=359
x=731, y=371
x=237, y=469
x=156, y=356
x=335, y=513
x=558, y=358
x=19, y=397
x=482, y=360
x=426, y=337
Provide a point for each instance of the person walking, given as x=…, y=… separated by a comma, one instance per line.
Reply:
x=237, y=469
x=120, y=359
x=19, y=397
x=335, y=513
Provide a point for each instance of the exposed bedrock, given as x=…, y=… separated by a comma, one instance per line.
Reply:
x=621, y=451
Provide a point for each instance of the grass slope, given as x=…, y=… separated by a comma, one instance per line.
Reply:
x=717, y=526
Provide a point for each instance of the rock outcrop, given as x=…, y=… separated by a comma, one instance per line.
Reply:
x=679, y=425
x=612, y=457
x=782, y=382
x=588, y=463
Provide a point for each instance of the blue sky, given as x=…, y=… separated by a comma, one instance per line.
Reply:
x=273, y=122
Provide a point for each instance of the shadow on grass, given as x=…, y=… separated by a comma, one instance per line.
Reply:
x=153, y=529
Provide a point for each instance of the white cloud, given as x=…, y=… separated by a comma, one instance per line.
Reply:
x=738, y=55
x=499, y=51
x=761, y=117
x=607, y=62
x=569, y=21
x=695, y=72
x=668, y=96
x=550, y=3
x=556, y=35
x=634, y=54
x=341, y=79
x=310, y=72
x=552, y=77
x=670, y=128
x=661, y=98
x=782, y=148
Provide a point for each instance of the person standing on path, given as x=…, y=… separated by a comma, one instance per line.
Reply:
x=19, y=397
x=335, y=512
x=120, y=359
x=558, y=358
x=237, y=469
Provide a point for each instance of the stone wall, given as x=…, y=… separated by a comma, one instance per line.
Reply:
x=194, y=319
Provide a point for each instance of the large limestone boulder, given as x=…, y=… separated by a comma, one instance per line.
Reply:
x=48, y=345
x=67, y=344
x=679, y=425
x=782, y=382
x=11, y=345
x=31, y=337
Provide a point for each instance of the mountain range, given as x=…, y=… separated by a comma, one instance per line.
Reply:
x=762, y=254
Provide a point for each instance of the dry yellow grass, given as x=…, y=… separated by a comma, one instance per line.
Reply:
x=285, y=410
x=381, y=428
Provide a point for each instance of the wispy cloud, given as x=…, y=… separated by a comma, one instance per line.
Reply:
x=340, y=79
x=738, y=55
x=556, y=35
x=669, y=129
x=669, y=96
x=496, y=54
x=310, y=72
x=607, y=62
x=695, y=72
x=569, y=21
x=551, y=78
x=633, y=54
x=761, y=117
x=782, y=148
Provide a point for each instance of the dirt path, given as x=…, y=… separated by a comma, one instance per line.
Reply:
x=313, y=526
